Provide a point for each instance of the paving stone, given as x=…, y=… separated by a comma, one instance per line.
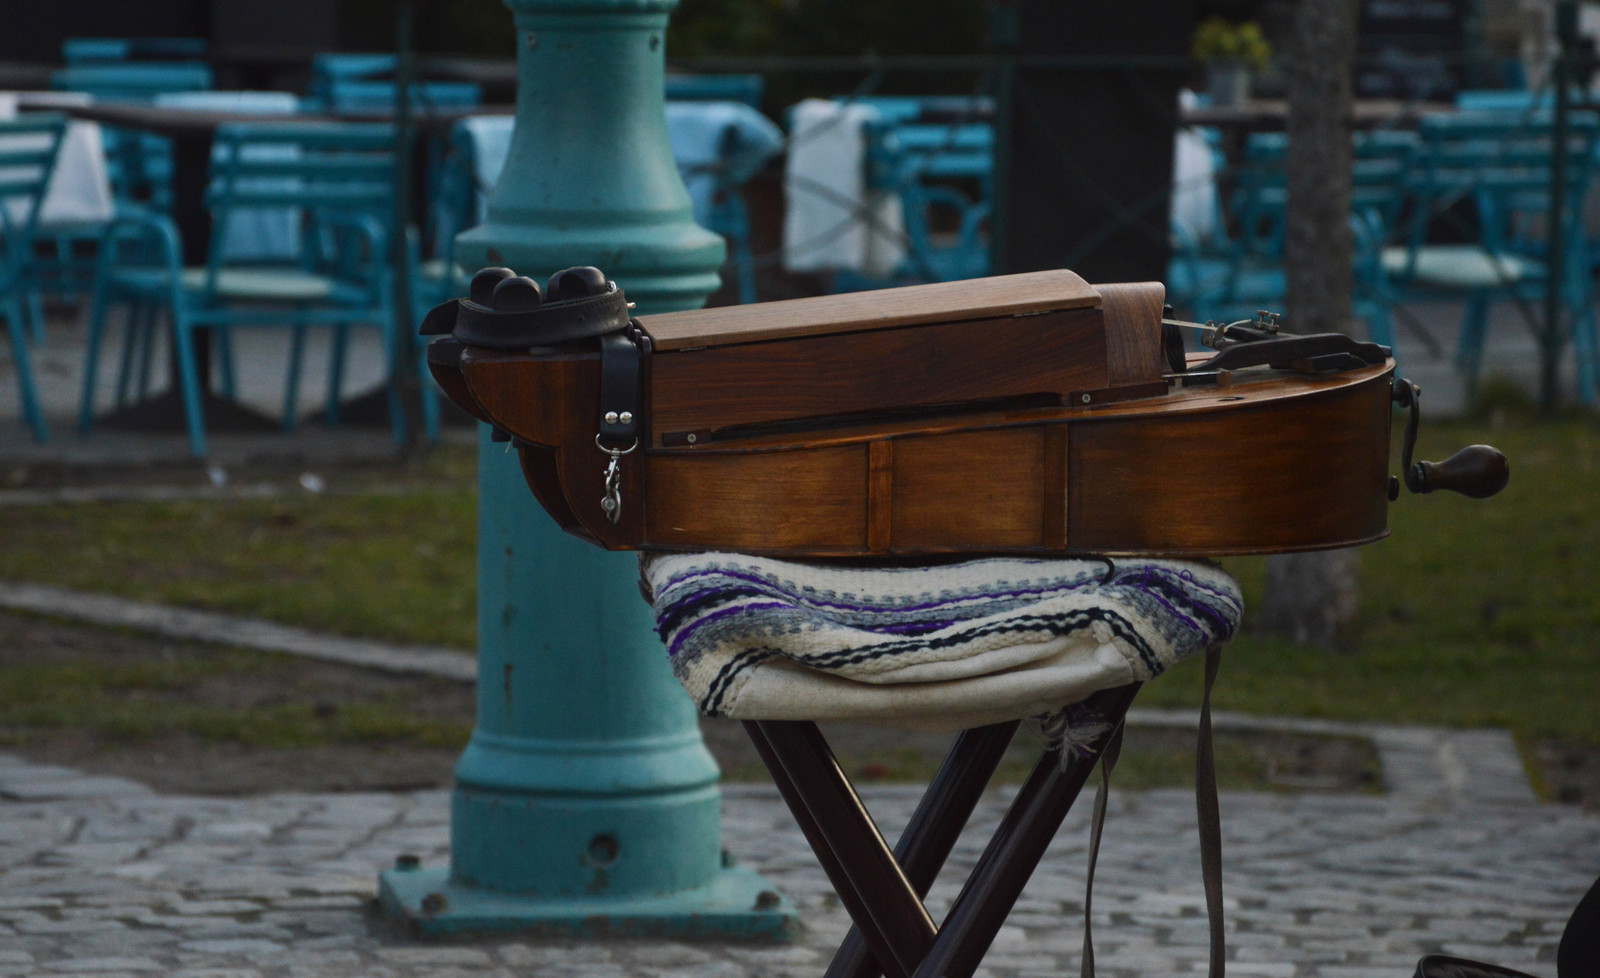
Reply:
x=80, y=965
x=237, y=945
x=433, y=956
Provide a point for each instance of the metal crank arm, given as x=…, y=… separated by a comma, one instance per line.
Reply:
x=1478, y=471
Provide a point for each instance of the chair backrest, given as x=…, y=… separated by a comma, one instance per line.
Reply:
x=1503, y=162
x=132, y=81
x=930, y=108
x=28, y=148
x=1378, y=185
x=98, y=50
x=338, y=176
x=716, y=88
x=944, y=174
x=334, y=66
x=366, y=95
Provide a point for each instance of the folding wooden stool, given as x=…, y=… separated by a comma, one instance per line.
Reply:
x=698, y=600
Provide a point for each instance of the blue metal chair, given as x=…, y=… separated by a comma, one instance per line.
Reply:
x=1501, y=163
x=357, y=95
x=944, y=174
x=28, y=147
x=259, y=235
x=132, y=80
x=747, y=89
x=1246, y=272
x=332, y=67
x=340, y=179
x=76, y=51
x=364, y=82
x=936, y=154
x=138, y=164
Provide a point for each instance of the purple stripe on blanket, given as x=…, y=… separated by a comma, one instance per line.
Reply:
x=687, y=631
x=965, y=598
x=1144, y=585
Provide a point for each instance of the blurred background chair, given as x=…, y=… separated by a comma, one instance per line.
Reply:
x=138, y=164
x=891, y=190
x=28, y=150
x=339, y=178
x=79, y=51
x=1499, y=165
x=1232, y=274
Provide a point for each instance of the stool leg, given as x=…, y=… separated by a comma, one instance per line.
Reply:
x=1005, y=866
x=858, y=862
x=934, y=827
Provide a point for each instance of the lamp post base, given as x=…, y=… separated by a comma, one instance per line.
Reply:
x=736, y=905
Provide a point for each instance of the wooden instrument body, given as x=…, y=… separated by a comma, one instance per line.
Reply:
x=986, y=429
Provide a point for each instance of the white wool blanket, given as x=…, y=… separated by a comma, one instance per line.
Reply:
x=939, y=647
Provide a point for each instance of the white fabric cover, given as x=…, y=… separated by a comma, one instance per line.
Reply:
x=79, y=191
x=942, y=647
x=832, y=219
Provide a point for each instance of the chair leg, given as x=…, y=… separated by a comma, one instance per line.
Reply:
x=222, y=346
x=35, y=311
x=430, y=399
x=135, y=325
x=1580, y=305
x=394, y=372
x=1469, y=355
x=16, y=327
x=97, y=320
x=147, y=350
x=336, y=352
x=746, y=265
x=291, y=382
x=189, y=383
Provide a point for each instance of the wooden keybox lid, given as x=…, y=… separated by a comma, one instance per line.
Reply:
x=985, y=298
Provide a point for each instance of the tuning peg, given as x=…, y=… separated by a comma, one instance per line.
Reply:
x=518, y=293
x=579, y=282
x=483, y=283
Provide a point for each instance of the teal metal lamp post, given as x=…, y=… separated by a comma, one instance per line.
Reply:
x=586, y=803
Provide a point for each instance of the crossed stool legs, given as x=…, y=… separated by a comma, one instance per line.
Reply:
x=883, y=891
x=970, y=646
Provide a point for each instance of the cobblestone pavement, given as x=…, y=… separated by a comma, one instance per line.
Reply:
x=102, y=877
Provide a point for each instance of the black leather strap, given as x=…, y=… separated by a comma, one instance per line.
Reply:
x=1209, y=817
x=619, y=388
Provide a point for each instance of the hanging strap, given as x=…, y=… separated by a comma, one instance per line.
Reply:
x=1108, y=760
x=1208, y=817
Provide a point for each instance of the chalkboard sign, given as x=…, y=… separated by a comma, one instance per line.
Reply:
x=1412, y=49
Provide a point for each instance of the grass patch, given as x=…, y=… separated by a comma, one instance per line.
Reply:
x=380, y=564
x=215, y=695
x=1473, y=613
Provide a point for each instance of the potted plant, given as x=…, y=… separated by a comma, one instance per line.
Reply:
x=1233, y=54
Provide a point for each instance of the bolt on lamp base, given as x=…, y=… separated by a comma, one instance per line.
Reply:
x=737, y=905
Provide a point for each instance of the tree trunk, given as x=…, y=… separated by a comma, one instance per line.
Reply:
x=1312, y=598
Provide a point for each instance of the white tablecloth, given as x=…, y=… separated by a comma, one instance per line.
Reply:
x=833, y=220
x=259, y=233
x=80, y=190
